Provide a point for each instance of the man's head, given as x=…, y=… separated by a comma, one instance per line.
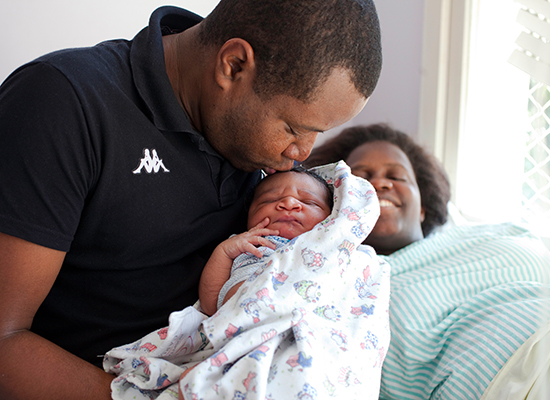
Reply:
x=284, y=71
x=260, y=79
x=294, y=201
x=298, y=43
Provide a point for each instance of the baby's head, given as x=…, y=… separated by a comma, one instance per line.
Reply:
x=294, y=201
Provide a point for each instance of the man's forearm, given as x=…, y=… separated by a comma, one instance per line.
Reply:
x=33, y=368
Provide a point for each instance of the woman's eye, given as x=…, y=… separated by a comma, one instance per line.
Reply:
x=362, y=174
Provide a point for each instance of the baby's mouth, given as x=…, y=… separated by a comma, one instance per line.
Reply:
x=288, y=220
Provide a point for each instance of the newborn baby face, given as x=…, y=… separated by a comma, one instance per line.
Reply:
x=294, y=203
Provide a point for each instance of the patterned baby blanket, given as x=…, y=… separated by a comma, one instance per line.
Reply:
x=311, y=323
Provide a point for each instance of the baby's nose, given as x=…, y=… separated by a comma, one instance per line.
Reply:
x=289, y=203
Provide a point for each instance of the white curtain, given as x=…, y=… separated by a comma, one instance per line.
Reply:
x=533, y=53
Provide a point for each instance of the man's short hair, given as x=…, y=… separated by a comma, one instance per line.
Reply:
x=298, y=43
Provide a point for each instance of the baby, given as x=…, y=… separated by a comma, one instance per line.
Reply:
x=311, y=317
x=285, y=205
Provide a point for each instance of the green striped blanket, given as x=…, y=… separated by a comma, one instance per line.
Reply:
x=462, y=302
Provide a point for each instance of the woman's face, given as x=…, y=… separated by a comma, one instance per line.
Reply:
x=389, y=170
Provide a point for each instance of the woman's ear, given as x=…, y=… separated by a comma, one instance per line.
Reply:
x=422, y=214
x=235, y=63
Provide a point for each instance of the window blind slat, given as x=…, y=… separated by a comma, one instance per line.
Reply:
x=538, y=70
x=533, y=56
x=535, y=46
x=534, y=23
x=539, y=6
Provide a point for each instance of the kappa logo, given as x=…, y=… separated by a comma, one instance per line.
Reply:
x=151, y=164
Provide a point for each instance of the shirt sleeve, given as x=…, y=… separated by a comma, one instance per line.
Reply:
x=246, y=264
x=47, y=165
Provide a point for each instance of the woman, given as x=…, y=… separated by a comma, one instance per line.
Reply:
x=468, y=301
x=411, y=184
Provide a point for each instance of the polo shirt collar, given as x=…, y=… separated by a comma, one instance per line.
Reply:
x=153, y=85
x=149, y=69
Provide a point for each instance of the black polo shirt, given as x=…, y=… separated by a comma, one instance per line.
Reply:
x=100, y=160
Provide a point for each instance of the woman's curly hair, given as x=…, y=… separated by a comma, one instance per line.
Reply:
x=432, y=180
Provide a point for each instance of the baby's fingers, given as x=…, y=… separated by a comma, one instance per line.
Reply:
x=250, y=248
x=258, y=239
x=266, y=242
x=261, y=225
x=266, y=232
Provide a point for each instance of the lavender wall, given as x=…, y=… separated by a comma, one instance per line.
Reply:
x=30, y=28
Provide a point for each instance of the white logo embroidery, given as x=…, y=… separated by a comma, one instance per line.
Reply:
x=153, y=164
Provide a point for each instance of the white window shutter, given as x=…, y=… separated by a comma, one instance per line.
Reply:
x=533, y=54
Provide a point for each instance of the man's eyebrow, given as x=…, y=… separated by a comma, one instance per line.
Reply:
x=309, y=128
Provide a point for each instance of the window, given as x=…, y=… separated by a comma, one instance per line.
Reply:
x=486, y=119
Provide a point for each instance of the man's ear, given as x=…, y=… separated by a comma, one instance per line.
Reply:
x=235, y=61
x=422, y=214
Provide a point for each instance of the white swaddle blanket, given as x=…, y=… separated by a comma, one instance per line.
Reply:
x=312, y=322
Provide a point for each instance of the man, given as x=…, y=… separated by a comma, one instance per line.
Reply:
x=124, y=164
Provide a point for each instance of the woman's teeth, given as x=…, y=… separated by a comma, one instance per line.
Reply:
x=386, y=203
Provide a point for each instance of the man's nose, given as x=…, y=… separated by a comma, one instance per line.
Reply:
x=300, y=149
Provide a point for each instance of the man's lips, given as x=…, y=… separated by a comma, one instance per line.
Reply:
x=269, y=171
x=283, y=167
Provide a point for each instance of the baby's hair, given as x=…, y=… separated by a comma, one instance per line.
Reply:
x=299, y=169
x=328, y=188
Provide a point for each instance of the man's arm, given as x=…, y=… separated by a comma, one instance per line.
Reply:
x=32, y=367
x=218, y=268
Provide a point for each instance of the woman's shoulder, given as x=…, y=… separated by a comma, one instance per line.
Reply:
x=484, y=235
x=474, y=247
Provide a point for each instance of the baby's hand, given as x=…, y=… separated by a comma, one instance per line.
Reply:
x=249, y=240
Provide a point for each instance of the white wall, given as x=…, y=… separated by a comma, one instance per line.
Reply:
x=30, y=28
x=396, y=99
